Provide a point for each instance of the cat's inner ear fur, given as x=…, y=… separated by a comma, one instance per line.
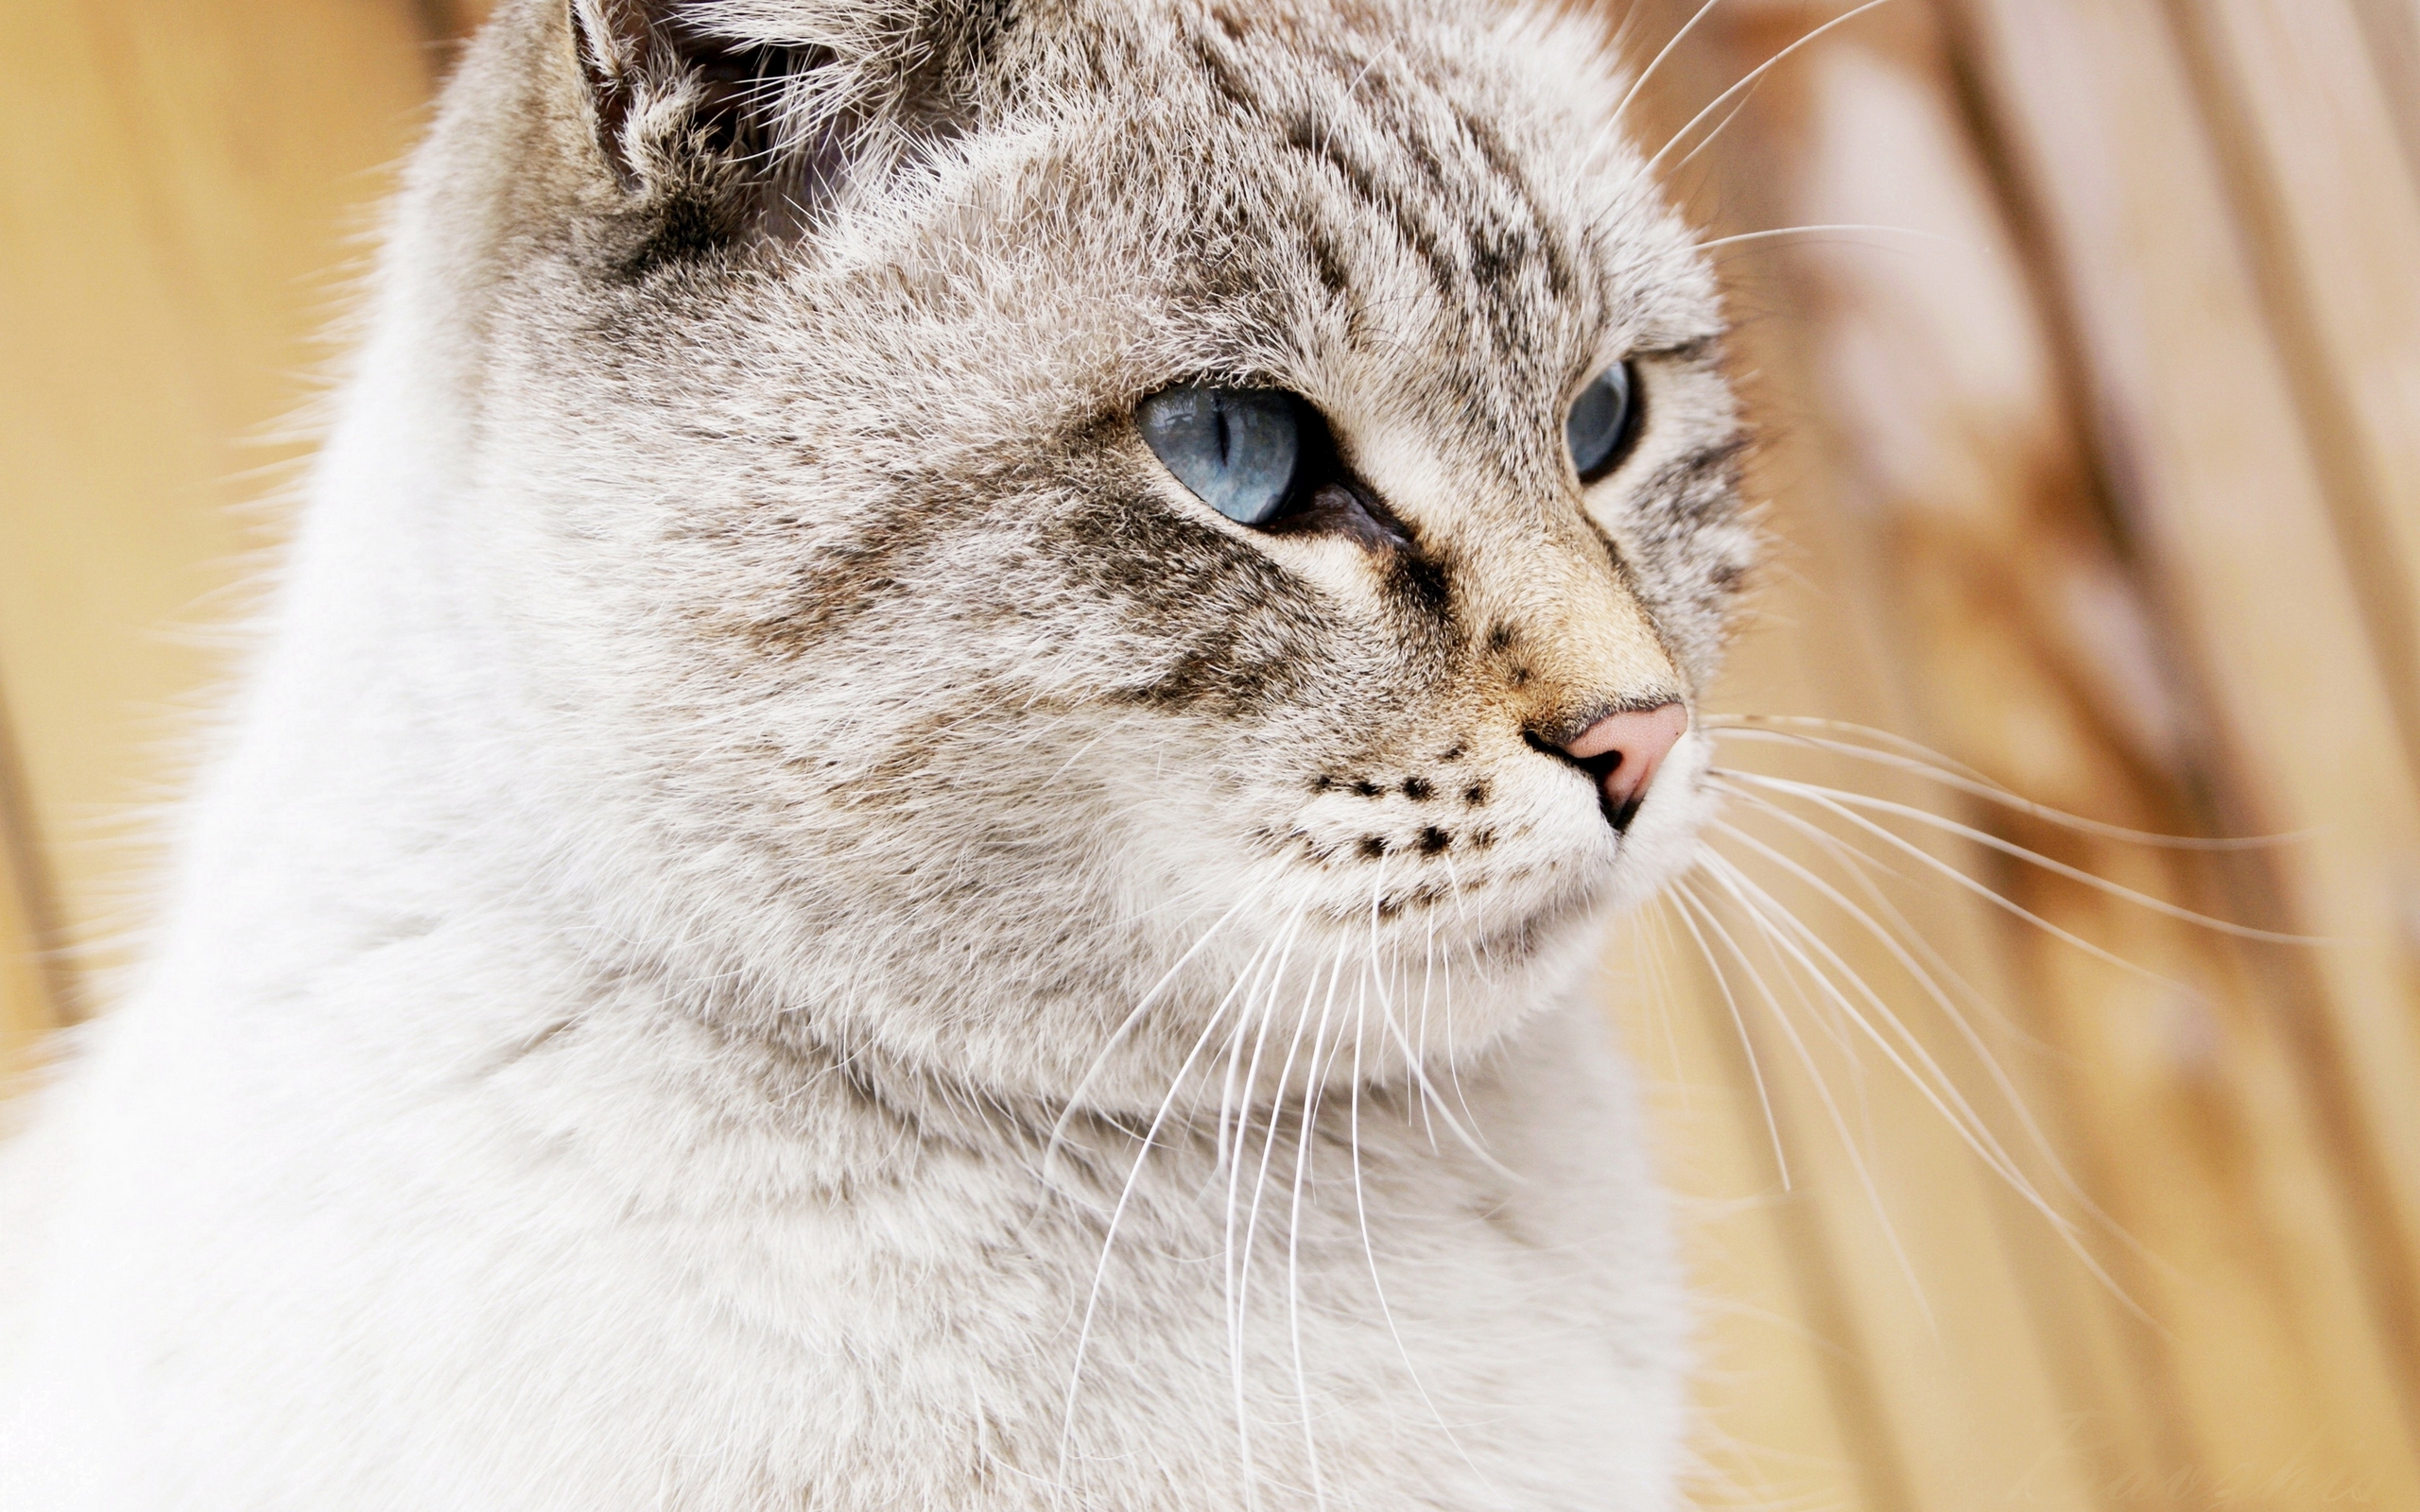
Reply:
x=736, y=117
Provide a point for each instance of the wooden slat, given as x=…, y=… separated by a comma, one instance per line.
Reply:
x=2196, y=409
x=2310, y=163
x=2021, y=620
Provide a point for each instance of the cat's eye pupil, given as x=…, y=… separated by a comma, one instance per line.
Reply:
x=1236, y=449
x=1602, y=423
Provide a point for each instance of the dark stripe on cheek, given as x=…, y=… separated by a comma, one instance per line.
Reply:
x=1220, y=626
x=843, y=581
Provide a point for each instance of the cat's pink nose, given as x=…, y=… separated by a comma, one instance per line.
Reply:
x=1622, y=751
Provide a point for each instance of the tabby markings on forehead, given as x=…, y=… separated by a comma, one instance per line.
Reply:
x=1427, y=224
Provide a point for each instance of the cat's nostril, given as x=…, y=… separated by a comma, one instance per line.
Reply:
x=1622, y=751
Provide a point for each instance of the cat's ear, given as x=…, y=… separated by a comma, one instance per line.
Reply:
x=774, y=104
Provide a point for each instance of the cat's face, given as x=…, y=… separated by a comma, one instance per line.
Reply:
x=901, y=686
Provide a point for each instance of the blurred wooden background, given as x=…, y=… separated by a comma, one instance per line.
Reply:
x=2096, y=472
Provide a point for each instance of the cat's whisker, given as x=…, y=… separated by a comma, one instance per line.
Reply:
x=1237, y=1258
x=1814, y=1076
x=1750, y=80
x=1462, y=1129
x=1126, y=1191
x=1933, y=1083
x=1268, y=1141
x=1683, y=898
x=1427, y=984
x=1322, y=1054
x=1831, y=796
x=1117, y=1036
x=1938, y=769
x=1369, y=1248
x=1795, y=940
x=1372, y=946
x=1933, y=863
x=1659, y=980
x=1418, y=1071
x=1472, y=931
x=1864, y=871
x=1453, y=1060
x=2006, y=1086
x=1273, y=958
x=1906, y=937
x=1850, y=726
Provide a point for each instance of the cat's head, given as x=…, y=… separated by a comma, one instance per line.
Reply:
x=1009, y=511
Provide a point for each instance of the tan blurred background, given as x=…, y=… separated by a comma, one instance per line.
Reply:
x=2095, y=470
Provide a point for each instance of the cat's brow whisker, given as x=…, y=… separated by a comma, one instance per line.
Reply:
x=1622, y=105
x=1749, y=81
x=1619, y=41
x=1708, y=140
x=1938, y=769
x=1816, y=792
x=1739, y=237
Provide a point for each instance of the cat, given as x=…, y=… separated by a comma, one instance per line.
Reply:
x=930, y=801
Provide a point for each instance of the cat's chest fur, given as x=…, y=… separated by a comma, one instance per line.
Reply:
x=590, y=1269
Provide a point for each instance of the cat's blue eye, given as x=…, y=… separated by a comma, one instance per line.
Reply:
x=1603, y=423
x=1236, y=448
